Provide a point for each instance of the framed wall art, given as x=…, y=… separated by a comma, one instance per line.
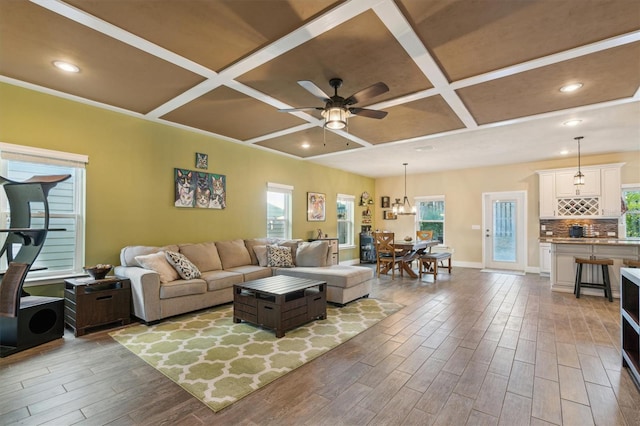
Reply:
x=385, y=202
x=389, y=215
x=199, y=189
x=202, y=161
x=316, y=207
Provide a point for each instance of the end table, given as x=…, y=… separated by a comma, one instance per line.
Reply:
x=90, y=303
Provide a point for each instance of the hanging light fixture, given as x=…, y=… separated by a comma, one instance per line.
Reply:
x=335, y=118
x=404, y=207
x=578, y=178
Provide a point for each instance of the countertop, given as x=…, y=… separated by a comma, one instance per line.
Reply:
x=590, y=241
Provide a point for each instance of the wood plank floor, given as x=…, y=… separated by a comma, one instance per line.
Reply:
x=474, y=348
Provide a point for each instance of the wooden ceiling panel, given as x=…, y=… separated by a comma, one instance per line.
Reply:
x=360, y=51
x=320, y=142
x=606, y=76
x=212, y=33
x=472, y=37
x=423, y=117
x=113, y=73
x=227, y=112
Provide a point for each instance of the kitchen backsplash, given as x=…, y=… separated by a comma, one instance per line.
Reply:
x=560, y=227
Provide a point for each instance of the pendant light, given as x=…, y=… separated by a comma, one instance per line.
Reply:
x=405, y=207
x=578, y=178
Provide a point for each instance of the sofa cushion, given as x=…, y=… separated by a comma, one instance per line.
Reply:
x=260, y=253
x=250, y=244
x=129, y=253
x=158, y=262
x=203, y=255
x=312, y=254
x=252, y=272
x=343, y=276
x=278, y=256
x=217, y=280
x=233, y=253
x=180, y=263
x=182, y=288
x=293, y=245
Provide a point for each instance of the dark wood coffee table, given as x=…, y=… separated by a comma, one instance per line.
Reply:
x=280, y=302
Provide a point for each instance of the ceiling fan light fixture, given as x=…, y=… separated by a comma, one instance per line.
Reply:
x=335, y=118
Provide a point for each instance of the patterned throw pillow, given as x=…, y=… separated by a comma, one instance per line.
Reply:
x=279, y=256
x=184, y=266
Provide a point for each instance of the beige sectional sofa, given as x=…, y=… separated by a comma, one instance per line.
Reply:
x=161, y=288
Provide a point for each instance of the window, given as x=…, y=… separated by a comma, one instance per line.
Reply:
x=279, y=210
x=430, y=216
x=63, y=251
x=345, y=220
x=631, y=196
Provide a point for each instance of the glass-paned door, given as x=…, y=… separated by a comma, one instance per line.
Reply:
x=504, y=231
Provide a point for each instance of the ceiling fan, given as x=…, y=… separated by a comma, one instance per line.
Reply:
x=337, y=109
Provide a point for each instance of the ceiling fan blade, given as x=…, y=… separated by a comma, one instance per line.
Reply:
x=299, y=109
x=370, y=113
x=369, y=92
x=314, y=90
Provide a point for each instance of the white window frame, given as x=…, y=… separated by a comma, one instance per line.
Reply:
x=46, y=157
x=622, y=223
x=288, y=191
x=349, y=220
x=429, y=198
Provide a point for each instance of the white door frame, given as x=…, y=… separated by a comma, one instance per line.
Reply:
x=521, y=230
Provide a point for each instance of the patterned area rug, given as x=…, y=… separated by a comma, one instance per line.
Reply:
x=220, y=362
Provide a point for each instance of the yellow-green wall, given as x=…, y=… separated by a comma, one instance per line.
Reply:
x=130, y=185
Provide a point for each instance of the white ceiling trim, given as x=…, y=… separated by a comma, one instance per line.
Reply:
x=397, y=24
x=185, y=97
x=548, y=60
x=117, y=33
x=281, y=133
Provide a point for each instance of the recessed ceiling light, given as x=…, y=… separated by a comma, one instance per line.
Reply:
x=570, y=87
x=305, y=145
x=564, y=152
x=572, y=123
x=424, y=148
x=66, y=66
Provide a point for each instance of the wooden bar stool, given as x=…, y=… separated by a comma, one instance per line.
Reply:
x=628, y=263
x=606, y=286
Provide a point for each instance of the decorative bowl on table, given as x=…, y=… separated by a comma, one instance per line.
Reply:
x=99, y=271
x=408, y=239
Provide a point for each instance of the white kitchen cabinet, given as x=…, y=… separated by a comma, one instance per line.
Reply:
x=610, y=199
x=545, y=259
x=563, y=269
x=598, y=197
x=547, y=195
x=566, y=188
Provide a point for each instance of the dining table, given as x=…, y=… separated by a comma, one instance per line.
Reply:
x=408, y=251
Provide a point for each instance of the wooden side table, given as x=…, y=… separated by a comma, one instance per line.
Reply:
x=90, y=303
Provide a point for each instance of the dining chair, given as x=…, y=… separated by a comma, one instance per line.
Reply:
x=386, y=254
x=424, y=235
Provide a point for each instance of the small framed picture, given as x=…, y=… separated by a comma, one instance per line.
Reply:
x=385, y=202
x=389, y=215
x=316, y=207
x=202, y=160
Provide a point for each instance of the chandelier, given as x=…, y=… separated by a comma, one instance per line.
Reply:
x=404, y=207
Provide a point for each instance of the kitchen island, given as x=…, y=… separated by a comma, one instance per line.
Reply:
x=565, y=250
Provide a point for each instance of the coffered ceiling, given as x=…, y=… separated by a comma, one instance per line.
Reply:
x=471, y=83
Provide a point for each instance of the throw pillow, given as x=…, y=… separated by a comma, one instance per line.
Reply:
x=158, y=262
x=312, y=254
x=261, y=255
x=278, y=256
x=185, y=268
